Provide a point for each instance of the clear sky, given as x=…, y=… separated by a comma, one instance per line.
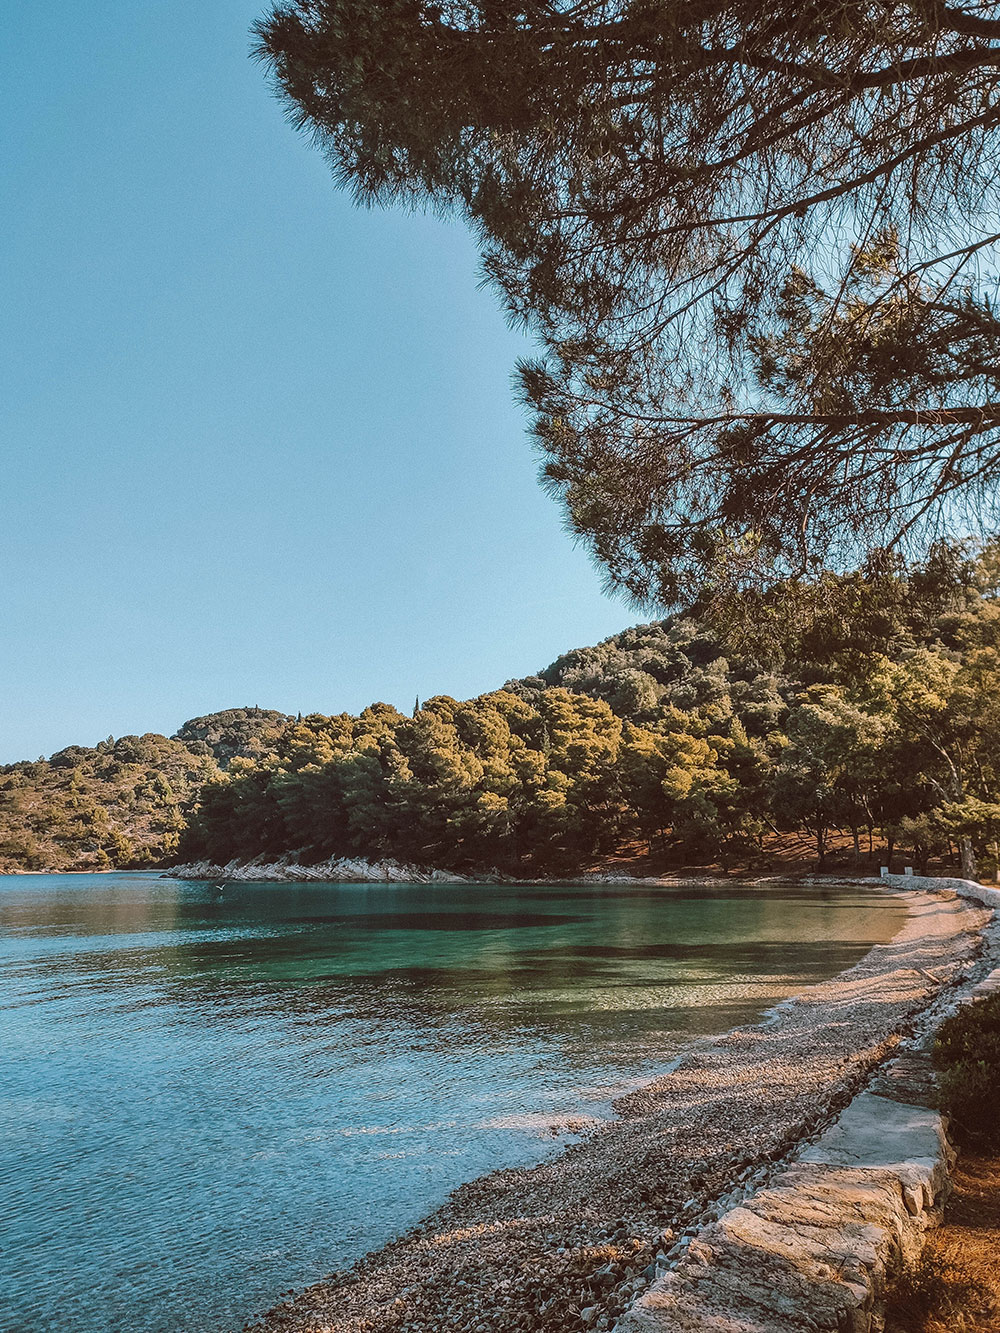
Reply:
x=256, y=445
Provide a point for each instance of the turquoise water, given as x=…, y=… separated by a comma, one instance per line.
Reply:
x=205, y=1101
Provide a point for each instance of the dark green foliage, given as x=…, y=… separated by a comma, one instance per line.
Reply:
x=123, y=802
x=971, y=1034
x=861, y=706
x=858, y=704
x=968, y=1091
x=666, y=735
x=235, y=732
x=494, y=781
x=727, y=393
x=967, y=1054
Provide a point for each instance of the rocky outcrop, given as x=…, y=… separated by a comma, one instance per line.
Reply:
x=338, y=870
x=288, y=869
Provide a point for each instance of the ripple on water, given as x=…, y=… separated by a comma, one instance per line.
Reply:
x=207, y=1102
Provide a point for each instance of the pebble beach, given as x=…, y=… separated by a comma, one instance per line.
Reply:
x=566, y=1246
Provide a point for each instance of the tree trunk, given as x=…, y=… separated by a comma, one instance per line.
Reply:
x=889, y=847
x=968, y=857
x=821, y=845
x=857, y=844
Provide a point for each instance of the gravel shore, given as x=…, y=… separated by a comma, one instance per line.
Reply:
x=567, y=1245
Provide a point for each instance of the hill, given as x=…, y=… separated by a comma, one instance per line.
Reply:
x=864, y=708
x=124, y=801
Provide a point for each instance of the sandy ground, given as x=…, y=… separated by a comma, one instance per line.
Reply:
x=970, y=1238
x=568, y=1244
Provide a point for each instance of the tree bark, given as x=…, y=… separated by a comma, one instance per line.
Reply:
x=821, y=845
x=968, y=857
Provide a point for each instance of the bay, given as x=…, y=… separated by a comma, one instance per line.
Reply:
x=208, y=1099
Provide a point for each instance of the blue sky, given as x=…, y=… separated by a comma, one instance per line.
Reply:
x=258, y=446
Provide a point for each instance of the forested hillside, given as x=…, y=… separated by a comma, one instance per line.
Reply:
x=867, y=708
x=121, y=802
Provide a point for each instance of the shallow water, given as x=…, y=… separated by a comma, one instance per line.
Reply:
x=205, y=1101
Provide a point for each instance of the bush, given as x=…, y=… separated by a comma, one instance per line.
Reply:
x=967, y=1053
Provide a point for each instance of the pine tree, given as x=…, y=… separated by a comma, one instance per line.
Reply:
x=651, y=184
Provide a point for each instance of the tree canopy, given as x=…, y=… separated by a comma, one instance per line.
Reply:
x=872, y=720
x=665, y=739
x=756, y=242
x=121, y=802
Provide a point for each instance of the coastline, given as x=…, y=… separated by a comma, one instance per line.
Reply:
x=357, y=870
x=337, y=870
x=571, y=1243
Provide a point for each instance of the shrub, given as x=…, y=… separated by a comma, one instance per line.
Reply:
x=967, y=1053
x=966, y=1034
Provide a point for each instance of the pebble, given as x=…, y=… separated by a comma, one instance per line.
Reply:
x=565, y=1246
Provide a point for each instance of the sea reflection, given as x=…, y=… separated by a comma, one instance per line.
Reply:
x=207, y=1100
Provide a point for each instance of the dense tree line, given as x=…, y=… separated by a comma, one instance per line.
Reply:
x=122, y=802
x=862, y=712
x=502, y=780
x=884, y=725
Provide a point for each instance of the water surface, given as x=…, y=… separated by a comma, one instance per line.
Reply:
x=205, y=1100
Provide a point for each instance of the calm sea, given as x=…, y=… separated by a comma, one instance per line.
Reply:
x=206, y=1100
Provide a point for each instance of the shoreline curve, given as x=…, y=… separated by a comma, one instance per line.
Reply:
x=572, y=1243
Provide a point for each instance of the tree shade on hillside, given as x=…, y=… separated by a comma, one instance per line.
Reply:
x=756, y=241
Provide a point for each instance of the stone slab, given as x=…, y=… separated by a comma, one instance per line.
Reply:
x=809, y=1251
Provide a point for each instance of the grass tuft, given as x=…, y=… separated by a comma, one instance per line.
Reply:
x=934, y=1296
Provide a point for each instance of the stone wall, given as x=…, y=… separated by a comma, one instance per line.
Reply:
x=965, y=888
x=809, y=1251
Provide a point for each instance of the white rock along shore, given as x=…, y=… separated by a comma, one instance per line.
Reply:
x=337, y=870
x=288, y=869
x=601, y=1236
